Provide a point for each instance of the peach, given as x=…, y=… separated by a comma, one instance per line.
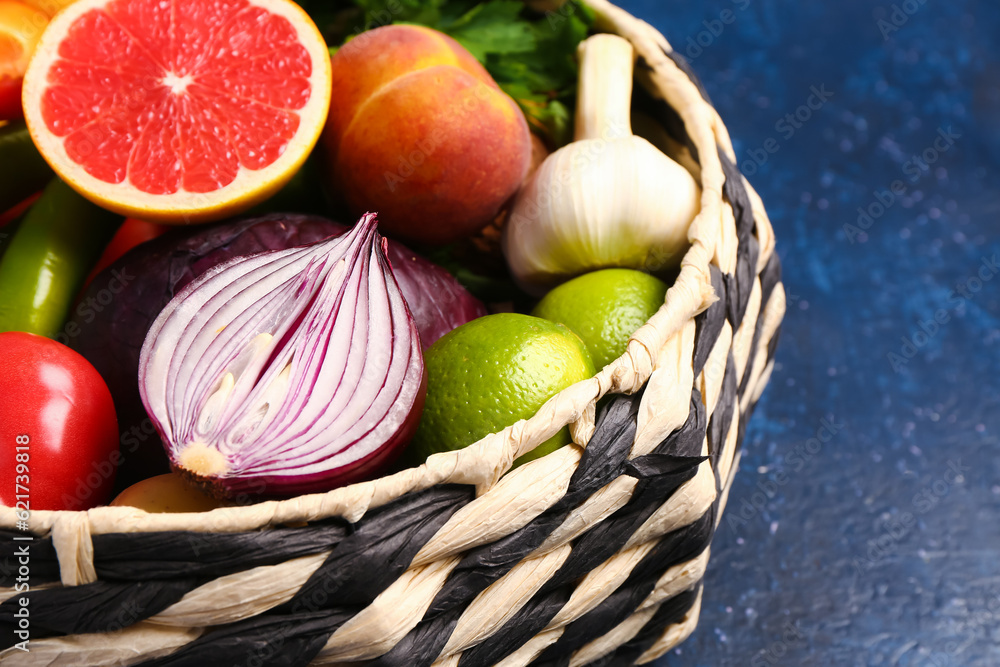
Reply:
x=420, y=133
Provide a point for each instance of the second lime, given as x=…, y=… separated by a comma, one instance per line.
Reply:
x=604, y=308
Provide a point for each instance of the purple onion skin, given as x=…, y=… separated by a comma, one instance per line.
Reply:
x=436, y=299
x=109, y=332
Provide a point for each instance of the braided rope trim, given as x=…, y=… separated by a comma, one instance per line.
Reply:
x=566, y=556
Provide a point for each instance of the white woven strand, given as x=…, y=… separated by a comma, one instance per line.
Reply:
x=665, y=407
x=74, y=550
x=495, y=606
x=666, y=403
x=771, y=318
x=394, y=613
x=608, y=642
x=134, y=644
x=674, y=635
x=765, y=233
x=678, y=579
x=531, y=649
x=713, y=375
x=599, y=583
x=240, y=595
x=743, y=338
x=726, y=249
x=688, y=504
x=729, y=463
x=519, y=498
x=599, y=506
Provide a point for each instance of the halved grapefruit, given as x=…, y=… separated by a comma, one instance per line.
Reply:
x=178, y=111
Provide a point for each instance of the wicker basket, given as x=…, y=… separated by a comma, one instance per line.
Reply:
x=592, y=555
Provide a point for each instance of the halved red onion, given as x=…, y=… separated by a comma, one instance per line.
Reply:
x=286, y=372
x=437, y=300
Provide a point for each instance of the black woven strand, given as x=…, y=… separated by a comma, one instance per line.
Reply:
x=605, y=539
x=709, y=324
x=603, y=459
x=169, y=554
x=44, y=567
x=678, y=547
x=166, y=555
x=97, y=607
x=670, y=612
x=740, y=285
x=380, y=550
x=769, y=278
x=361, y=566
x=672, y=463
x=423, y=644
x=722, y=418
x=655, y=106
x=736, y=194
x=525, y=624
x=267, y=640
x=773, y=267
x=384, y=543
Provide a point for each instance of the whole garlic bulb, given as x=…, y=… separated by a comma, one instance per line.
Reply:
x=610, y=199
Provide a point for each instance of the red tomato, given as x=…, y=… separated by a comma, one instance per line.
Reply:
x=20, y=27
x=58, y=431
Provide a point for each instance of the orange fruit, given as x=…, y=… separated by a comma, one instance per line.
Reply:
x=50, y=7
x=178, y=111
x=21, y=26
x=165, y=494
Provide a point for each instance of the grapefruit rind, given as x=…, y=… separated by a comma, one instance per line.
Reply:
x=250, y=187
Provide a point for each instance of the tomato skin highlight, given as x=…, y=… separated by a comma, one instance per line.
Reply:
x=52, y=395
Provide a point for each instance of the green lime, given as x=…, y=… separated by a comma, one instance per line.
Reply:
x=604, y=308
x=492, y=372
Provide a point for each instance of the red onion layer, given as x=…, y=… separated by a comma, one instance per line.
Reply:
x=287, y=372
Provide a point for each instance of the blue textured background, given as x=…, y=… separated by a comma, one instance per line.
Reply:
x=867, y=551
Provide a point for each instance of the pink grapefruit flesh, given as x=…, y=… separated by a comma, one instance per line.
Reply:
x=178, y=110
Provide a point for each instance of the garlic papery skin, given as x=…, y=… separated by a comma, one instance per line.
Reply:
x=610, y=199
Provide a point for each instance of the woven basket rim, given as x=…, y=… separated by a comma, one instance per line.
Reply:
x=483, y=463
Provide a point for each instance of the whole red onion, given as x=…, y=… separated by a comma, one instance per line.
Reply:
x=110, y=322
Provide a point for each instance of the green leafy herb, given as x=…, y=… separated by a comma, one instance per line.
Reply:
x=493, y=28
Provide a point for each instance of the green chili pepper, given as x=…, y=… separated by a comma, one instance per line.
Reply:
x=23, y=172
x=59, y=241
